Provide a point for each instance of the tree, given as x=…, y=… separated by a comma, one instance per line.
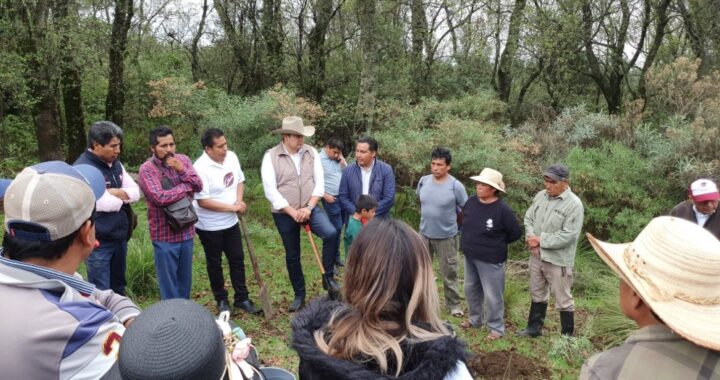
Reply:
x=71, y=82
x=115, y=101
x=504, y=72
x=611, y=35
x=366, y=14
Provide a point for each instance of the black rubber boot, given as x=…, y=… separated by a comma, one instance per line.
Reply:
x=567, y=323
x=536, y=320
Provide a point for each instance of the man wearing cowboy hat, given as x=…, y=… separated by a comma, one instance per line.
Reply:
x=440, y=196
x=669, y=287
x=552, y=229
x=701, y=206
x=293, y=182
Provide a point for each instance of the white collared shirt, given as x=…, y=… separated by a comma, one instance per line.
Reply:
x=700, y=217
x=366, y=173
x=269, y=180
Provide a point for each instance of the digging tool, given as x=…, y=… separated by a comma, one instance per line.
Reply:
x=264, y=296
x=326, y=283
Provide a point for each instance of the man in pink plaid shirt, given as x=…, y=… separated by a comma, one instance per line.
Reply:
x=173, y=249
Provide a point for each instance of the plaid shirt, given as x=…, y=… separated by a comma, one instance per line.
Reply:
x=186, y=183
x=653, y=352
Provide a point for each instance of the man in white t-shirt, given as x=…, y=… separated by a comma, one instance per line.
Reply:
x=218, y=205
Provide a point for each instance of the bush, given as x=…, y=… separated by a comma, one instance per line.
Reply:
x=619, y=188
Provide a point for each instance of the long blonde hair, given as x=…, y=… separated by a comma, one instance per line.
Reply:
x=389, y=291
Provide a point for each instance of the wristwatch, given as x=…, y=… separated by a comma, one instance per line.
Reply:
x=309, y=206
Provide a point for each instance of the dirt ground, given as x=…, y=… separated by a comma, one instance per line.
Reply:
x=506, y=364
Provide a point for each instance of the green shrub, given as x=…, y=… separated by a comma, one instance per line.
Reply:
x=619, y=188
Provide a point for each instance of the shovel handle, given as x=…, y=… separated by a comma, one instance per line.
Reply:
x=251, y=251
x=314, y=248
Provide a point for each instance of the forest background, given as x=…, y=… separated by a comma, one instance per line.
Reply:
x=625, y=92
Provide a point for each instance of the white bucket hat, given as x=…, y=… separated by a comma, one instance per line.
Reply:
x=673, y=265
x=491, y=177
x=293, y=125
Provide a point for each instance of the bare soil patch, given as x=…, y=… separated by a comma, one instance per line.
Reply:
x=506, y=364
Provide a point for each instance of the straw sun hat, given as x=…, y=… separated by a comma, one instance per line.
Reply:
x=674, y=266
x=491, y=177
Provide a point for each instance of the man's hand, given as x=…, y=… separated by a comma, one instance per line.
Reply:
x=120, y=193
x=533, y=241
x=342, y=161
x=329, y=198
x=304, y=215
x=535, y=252
x=176, y=164
x=240, y=207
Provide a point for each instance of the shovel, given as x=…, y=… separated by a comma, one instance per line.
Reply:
x=325, y=282
x=264, y=297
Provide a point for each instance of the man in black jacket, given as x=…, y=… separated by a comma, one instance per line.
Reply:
x=701, y=206
x=106, y=264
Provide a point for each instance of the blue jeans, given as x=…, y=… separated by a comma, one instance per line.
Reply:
x=335, y=215
x=173, y=264
x=106, y=265
x=290, y=233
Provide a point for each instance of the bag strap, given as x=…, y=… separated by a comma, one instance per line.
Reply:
x=165, y=182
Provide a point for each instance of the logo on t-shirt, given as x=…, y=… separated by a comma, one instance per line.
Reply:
x=489, y=224
x=229, y=179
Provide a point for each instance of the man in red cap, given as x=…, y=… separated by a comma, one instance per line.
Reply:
x=701, y=205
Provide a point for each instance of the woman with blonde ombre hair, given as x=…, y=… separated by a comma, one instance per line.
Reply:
x=389, y=324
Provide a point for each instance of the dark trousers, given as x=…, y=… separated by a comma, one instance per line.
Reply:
x=106, y=265
x=290, y=233
x=335, y=215
x=215, y=243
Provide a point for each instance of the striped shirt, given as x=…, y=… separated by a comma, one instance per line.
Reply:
x=185, y=184
x=83, y=287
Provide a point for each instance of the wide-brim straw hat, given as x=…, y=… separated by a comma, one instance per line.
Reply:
x=674, y=266
x=491, y=177
x=293, y=125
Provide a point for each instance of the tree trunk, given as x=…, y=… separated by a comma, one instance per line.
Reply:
x=71, y=82
x=662, y=21
x=365, y=111
x=273, y=35
x=115, y=101
x=419, y=29
x=322, y=14
x=504, y=73
x=194, y=48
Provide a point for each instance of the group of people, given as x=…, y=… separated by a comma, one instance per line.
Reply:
x=388, y=321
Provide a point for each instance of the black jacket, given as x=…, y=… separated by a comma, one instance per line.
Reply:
x=425, y=360
x=108, y=225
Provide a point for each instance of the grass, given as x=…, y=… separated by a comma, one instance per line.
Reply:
x=599, y=323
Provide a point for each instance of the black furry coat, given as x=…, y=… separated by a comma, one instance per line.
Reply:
x=424, y=360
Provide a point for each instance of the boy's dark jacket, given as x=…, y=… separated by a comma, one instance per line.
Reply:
x=424, y=360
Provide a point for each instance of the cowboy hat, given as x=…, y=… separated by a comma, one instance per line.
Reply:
x=491, y=177
x=293, y=125
x=673, y=265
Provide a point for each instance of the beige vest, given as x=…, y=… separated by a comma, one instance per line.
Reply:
x=297, y=190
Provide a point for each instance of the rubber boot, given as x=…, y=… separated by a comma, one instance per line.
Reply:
x=567, y=323
x=536, y=320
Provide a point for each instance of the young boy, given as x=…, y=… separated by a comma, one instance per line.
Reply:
x=364, y=212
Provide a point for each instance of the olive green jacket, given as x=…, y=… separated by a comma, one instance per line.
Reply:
x=558, y=221
x=653, y=352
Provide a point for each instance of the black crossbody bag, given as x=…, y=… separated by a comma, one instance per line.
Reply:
x=181, y=213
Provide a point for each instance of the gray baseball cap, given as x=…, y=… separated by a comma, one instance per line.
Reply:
x=557, y=172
